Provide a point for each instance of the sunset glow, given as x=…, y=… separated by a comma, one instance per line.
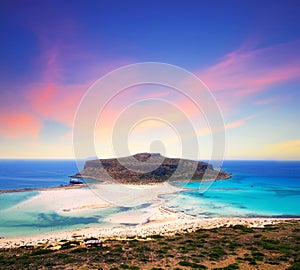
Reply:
x=53, y=51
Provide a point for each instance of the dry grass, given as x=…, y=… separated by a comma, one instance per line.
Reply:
x=273, y=247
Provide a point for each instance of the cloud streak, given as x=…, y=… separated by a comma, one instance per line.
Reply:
x=55, y=101
x=245, y=71
x=14, y=125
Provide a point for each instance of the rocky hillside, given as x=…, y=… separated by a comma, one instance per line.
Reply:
x=147, y=168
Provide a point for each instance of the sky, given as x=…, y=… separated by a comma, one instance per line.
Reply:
x=246, y=52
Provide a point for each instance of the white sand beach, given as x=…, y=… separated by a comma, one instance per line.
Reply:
x=154, y=218
x=69, y=201
x=160, y=220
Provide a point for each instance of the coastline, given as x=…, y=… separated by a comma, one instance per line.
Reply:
x=63, y=187
x=79, y=176
x=78, y=186
x=163, y=221
x=156, y=219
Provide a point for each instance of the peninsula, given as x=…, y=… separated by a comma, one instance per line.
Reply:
x=149, y=168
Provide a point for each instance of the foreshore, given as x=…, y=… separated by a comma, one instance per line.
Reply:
x=63, y=187
x=163, y=221
x=154, y=219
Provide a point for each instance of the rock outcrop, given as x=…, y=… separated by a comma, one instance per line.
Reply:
x=146, y=168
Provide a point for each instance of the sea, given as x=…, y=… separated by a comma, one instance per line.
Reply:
x=256, y=189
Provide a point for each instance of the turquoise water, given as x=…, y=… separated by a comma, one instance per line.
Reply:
x=19, y=219
x=18, y=222
x=257, y=188
x=8, y=200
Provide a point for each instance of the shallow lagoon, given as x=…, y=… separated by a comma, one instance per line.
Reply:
x=257, y=188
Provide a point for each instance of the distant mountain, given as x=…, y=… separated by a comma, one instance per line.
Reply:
x=146, y=168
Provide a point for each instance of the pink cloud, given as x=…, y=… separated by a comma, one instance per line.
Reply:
x=239, y=122
x=67, y=71
x=227, y=126
x=49, y=61
x=48, y=97
x=244, y=72
x=16, y=125
x=22, y=114
x=55, y=101
x=270, y=100
x=64, y=69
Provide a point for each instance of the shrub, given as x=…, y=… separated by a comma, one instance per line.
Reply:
x=295, y=266
x=192, y=265
x=41, y=251
x=232, y=266
x=133, y=267
x=79, y=250
x=258, y=256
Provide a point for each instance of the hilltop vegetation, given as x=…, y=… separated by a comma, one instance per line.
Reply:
x=147, y=168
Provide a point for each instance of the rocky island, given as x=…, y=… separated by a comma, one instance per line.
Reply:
x=148, y=168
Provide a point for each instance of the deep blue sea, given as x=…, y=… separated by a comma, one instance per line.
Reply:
x=18, y=174
x=257, y=188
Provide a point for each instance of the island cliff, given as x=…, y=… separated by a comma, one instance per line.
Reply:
x=141, y=173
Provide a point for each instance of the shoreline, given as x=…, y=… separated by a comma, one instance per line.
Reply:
x=163, y=221
x=78, y=186
x=157, y=219
x=80, y=176
x=63, y=187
